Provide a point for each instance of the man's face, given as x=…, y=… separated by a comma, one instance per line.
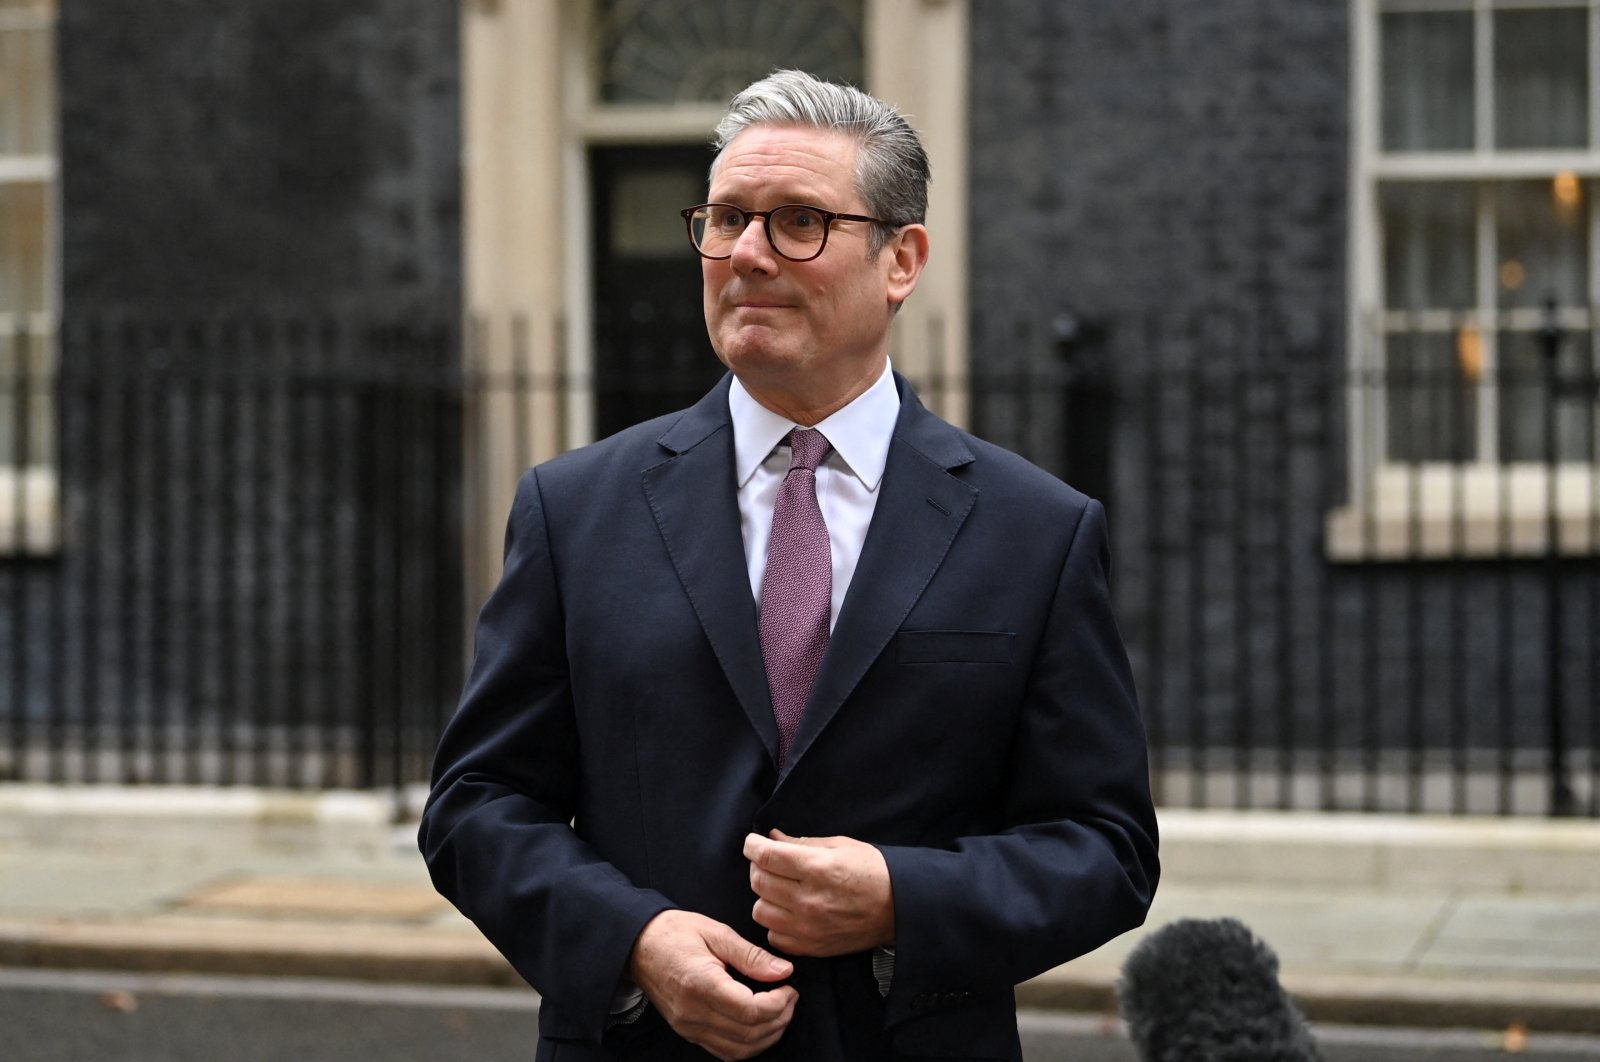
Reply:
x=816, y=328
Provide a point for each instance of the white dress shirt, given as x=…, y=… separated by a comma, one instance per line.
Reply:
x=847, y=492
x=847, y=480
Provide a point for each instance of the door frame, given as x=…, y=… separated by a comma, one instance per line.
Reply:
x=530, y=114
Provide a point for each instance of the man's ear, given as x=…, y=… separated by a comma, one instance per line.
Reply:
x=908, y=253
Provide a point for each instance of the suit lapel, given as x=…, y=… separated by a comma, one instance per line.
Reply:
x=919, y=512
x=692, y=495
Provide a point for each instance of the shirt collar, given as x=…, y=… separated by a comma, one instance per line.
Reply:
x=859, y=433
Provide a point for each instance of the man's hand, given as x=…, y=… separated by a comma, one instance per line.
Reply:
x=680, y=961
x=820, y=896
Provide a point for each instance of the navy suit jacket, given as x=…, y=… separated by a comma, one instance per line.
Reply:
x=974, y=718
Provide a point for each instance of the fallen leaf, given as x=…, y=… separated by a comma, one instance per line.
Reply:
x=121, y=1002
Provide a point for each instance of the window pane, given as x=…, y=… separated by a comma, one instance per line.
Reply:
x=1427, y=80
x=1431, y=390
x=22, y=229
x=644, y=212
x=27, y=80
x=1525, y=399
x=685, y=51
x=1543, y=239
x=26, y=390
x=1541, y=79
x=1428, y=245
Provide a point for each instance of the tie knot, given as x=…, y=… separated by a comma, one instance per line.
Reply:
x=808, y=447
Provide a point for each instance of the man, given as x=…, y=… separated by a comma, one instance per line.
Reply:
x=804, y=742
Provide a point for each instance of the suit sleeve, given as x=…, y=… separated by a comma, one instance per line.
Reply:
x=496, y=831
x=1077, y=862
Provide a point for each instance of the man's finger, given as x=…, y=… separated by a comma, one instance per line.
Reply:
x=752, y=960
x=739, y=1009
x=784, y=858
x=792, y=944
x=747, y=1041
x=760, y=850
x=771, y=916
x=811, y=842
x=775, y=887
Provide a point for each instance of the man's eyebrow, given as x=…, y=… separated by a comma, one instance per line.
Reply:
x=735, y=201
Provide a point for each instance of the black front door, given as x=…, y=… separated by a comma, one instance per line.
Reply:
x=651, y=354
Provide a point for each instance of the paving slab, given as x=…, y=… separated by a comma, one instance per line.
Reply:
x=364, y=950
x=1348, y=929
x=1557, y=938
x=93, y=884
x=324, y=896
x=1381, y=851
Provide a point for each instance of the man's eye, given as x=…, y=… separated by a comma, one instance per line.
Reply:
x=728, y=219
x=804, y=219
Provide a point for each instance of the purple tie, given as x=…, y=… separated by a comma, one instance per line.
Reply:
x=797, y=588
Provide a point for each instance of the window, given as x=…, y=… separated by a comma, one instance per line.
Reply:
x=27, y=296
x=1476, y=174
x=703, y=51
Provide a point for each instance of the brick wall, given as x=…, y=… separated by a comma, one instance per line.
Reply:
x=1171, y=176
x=277, y=154
x=1155, y=157
x=259, y=504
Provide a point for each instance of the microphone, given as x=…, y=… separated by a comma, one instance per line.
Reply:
x=1202, y=990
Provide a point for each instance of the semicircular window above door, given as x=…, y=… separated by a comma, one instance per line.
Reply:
x=700, y=51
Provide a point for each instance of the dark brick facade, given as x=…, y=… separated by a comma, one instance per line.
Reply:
x=274, y=154
x=1170, y=179
x=1154, y=159
x=259, y=461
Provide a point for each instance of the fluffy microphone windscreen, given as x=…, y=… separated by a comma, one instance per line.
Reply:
x=1207, y=990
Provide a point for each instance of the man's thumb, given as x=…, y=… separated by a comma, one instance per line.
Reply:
x=752, y=960
x=810, y=842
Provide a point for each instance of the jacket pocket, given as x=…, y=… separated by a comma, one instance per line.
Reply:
x=980, y=1030
x=954, y=647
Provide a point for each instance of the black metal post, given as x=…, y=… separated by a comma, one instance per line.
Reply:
x=1081, y=344
x=1563, y=802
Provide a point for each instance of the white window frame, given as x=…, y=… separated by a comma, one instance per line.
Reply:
x=1437, y=510
x=30, y=520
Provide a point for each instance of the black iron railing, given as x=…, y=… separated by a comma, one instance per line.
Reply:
x=248, y=551
x=247, y=567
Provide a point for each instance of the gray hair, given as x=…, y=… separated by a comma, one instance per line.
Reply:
x=892, y=169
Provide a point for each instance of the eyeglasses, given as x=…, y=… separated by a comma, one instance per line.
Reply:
x=798, y=233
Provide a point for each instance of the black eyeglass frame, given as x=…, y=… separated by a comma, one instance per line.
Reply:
x=828, y=218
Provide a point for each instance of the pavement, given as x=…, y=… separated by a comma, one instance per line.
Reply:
x=1474, y=923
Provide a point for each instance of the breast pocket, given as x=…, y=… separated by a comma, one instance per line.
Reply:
x=954, y=647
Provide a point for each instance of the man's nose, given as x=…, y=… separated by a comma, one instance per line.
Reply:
x=752, y=251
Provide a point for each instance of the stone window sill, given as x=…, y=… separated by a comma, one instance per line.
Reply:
x=30, y=513
x=1440, y=512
